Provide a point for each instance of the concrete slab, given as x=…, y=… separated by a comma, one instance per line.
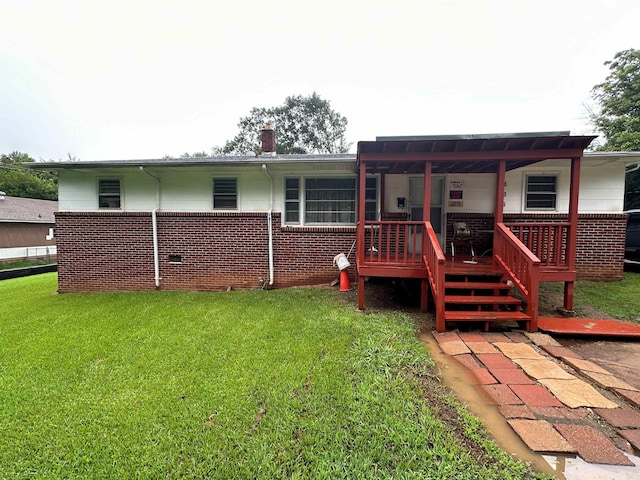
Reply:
x=632, y=436
x=609, y=381
x=589, y=326
x=535, y=396
x=516, y=411
x=501, y=395
x=559, y=352
x=454, y=347
x=495, y=360
x=482, y=347
x=541, y=339
x=630, y=396
x=542, y=369
x=620, y=417
x=511, y=376
x=483, y=376
x=540, y=436
x=584, y=365
x=518, y=350
x=576, y=393
x=592, y=445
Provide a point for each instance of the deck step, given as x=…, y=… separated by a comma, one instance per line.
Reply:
x=482, y=299
x=478, y=285
x=462, y=316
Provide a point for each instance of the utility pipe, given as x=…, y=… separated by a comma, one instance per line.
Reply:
x=154, y=226
x=270, y=223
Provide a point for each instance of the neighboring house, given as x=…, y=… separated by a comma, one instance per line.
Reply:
x=279, y=220
x=26, y=228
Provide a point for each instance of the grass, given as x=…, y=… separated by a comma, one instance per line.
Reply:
x=263, y=384
x=22, y=264
x=616, y=299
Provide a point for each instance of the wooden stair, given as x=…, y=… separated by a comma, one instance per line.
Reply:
x=485, y=297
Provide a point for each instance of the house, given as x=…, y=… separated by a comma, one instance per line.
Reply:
x=26, y=228
x=537, y=206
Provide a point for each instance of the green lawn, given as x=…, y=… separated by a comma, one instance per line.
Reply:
x=264, y=384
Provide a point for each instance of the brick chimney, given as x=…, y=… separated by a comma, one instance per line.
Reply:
x=268, y=140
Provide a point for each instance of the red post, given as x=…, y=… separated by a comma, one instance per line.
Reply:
x=572, y=239
x=502, y=173
x=362, y=189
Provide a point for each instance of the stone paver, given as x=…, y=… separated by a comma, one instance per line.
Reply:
x=468, y=361
x=584, y=365
x=535, y=396
x=454, y=347
x=576, y=393
x=495, y=337
x=518, y=350
x=446, y=337
x=552, y=412
x=559, y=352
x=501, y=395
x=629, y=395
x=495, y=360
x=541, y=339
x=540, y=436
x=517, y=337
x=516, y=411
x=482, y=347
x=511, y=376
x=542, y=369
x=483, y=376
x=592, y=445
x=632, y=436
x=608, y=381
x=620, y=417
x=468, y=337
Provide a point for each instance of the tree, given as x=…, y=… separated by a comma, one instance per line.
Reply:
x=618, y=118
x=302, y=125
x=17, y=180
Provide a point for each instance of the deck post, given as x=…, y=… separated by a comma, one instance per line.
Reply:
x=574, y=190
x=502, y=173
x=362, y=189
x=426, y=202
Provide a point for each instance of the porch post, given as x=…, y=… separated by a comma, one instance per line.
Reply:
x=426, y=217
x=502, y=173
x=572, y=239
x=362, y=188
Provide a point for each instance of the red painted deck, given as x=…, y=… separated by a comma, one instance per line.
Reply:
x=589, y=326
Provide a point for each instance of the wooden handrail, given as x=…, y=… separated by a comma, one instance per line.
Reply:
x=549, y=241
x=521, y=266
x=433, y=260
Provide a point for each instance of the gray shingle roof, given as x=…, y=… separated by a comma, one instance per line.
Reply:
x=30, y=210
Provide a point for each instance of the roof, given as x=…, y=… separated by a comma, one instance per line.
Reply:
x=27, y=210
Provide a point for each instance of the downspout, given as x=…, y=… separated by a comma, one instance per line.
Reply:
x=154, y=226
x=270, y=223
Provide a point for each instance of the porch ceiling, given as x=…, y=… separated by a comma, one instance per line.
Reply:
x=467, y=154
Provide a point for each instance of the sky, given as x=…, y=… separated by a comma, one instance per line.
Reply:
x=129, y=79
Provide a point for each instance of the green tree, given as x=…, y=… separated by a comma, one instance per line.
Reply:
x=618, y=115
x=301, y=124
x=17, y=180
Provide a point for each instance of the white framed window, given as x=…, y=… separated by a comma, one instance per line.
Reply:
x=541, y=191
x=327, y=200
x=225, y=193
x=109, y=193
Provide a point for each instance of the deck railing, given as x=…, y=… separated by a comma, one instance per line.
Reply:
x=433, y=259
x=389, y=242
x=520, y=265
x=547, y=241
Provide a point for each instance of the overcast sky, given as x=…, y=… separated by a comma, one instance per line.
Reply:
x=123, y=79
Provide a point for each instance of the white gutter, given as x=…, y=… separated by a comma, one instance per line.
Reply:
x=154, y=226
x=270, y=223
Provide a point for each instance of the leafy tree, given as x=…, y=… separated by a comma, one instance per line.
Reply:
x=618, y=118
x=17, y=180
x=302, y=125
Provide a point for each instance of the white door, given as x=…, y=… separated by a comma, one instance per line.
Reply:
x=416, y=203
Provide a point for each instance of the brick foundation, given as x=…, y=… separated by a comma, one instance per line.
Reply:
x=100, y=251
x=600, y=242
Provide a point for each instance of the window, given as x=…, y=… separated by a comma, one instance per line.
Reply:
x=541, y=192
x=109, y=193
x=325, y=200
x=225, y=193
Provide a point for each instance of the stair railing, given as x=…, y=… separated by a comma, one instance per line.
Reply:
x=433, y=259
x=521, y=266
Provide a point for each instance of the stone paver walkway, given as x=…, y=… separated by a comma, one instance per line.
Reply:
x=555, y=401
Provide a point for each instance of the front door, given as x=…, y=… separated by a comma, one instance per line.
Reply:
x=416, y=203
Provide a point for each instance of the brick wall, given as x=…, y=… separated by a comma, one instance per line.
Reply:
x=600, y=242
x=197, y=251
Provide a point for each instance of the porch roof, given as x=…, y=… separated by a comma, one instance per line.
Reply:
x=467, y=153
